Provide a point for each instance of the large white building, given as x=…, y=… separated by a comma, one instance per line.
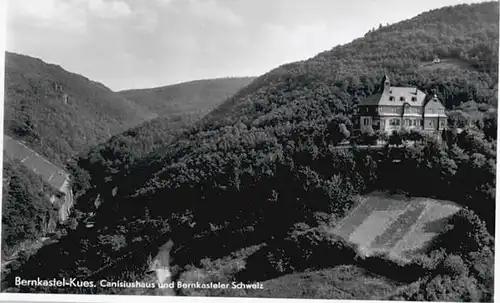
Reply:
x=396, y=108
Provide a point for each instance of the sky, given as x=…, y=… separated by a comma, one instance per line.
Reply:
x=128, y=44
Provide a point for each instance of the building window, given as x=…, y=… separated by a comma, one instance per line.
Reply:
x=413, y=99
x=407, y=122
x=401, y=98
x=391, y=98
x=394, y=122
x=366, y=121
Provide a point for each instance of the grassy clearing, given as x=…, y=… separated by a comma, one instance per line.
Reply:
x=444, y=64
x=349, y=224
x=376, y=202
x=431, y=223
x=399, y=227
x=394, y=225
x=372, y=227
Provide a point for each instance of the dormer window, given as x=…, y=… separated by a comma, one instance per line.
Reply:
x=401, y=98
x=413, y=99
x=391, y=98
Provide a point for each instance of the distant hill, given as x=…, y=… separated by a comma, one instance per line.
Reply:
x=58, y=112
x=178, y=106
x=192, y=98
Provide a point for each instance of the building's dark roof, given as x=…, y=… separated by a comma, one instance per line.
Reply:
x=397, y=92
x=49, y=172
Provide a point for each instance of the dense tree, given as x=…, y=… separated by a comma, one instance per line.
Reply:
x=27, y=212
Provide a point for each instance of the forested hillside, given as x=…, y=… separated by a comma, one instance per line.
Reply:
x=262, y=170
x=60, y=114
x=27, y=212
x=193, y=98
x=179, y=106
x=57, y=112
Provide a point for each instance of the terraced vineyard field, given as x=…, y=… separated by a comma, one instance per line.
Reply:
x=393, y=225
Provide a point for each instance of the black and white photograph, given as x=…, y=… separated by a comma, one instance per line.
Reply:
x=265, y=149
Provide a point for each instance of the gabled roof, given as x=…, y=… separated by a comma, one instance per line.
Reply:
x=397, y=92
x=434, y=102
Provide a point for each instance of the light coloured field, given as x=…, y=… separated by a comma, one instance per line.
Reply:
x=372, y=227
x=429, y=225
x=399, y=227
x=394, y=226
x=365, y=208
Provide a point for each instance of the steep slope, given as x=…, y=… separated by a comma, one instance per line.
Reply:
x=261, y=165
x=193, y=98
x=100, y=169
x=467, y=34
x=295, y=102
x=57, y=112
x=27, y=212
x=103, y=167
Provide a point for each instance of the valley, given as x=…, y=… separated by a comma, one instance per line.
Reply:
x=43, y=99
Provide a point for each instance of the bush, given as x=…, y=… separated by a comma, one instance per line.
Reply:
x=430, y=261
x=467, y=233
x=440, y=288
x=338, y=129
x=453, y=265
x=309, y=248
x=395, y=138
x=411, y=135
x=382, y=135
x=368, y=137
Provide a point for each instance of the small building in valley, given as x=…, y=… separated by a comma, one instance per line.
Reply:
x=54, y=176
x=396, y=108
